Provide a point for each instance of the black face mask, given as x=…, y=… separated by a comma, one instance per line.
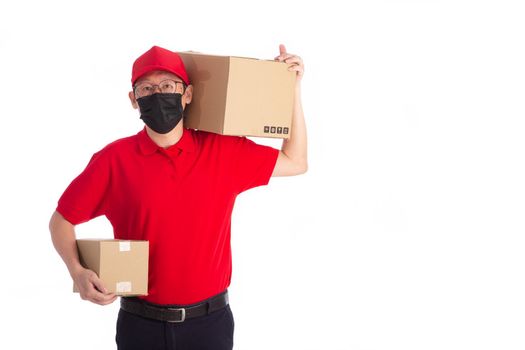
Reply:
x=161, y=112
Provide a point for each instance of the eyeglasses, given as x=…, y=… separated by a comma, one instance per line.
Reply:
x=168, y=86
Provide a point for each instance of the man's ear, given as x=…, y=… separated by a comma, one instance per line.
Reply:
x=188, y=94
x=133, y=100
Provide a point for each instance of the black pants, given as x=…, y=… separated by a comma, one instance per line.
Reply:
x=213, y=331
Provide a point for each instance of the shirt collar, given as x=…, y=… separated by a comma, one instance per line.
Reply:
x=148, y=146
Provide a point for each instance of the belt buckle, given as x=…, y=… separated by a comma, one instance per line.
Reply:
x=183, y=313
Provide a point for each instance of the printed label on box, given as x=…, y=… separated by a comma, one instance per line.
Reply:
x=124, y=287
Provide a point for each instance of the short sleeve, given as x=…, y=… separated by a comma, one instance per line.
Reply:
x=86, y=196
x=253, y=164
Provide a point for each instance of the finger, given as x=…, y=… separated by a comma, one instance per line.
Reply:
x=294, y=59
x=286, y=56
x=97, y=282
x=100, y=298
x=296, y=68
x=95, y=295
x=94, y=298
x=95, y=301
x=105, y=297
x=282, y=49
x=110, y=300
x=95, y=292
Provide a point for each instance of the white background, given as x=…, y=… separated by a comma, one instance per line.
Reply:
x=407, y=232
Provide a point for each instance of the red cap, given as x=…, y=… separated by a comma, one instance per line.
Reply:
x=158, y=58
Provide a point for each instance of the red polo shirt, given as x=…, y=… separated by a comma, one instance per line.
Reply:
x=180, y=199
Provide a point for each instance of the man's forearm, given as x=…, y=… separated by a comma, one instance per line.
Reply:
x=295, y=147
x=64, y=240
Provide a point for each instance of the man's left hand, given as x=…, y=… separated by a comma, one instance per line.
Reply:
x=295, y=63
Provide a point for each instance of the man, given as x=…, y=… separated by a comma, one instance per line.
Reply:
x=174, y=187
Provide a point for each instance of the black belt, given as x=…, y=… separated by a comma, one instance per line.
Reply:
x=173, y=313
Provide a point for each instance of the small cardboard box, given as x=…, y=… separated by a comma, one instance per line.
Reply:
x=239, y=95
x=121, y=265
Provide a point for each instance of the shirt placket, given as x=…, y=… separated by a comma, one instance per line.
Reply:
x=173, y=162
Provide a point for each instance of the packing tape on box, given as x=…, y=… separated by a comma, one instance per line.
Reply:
x=124, y=287
x=124, y=246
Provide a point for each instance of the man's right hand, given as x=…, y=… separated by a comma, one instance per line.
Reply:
x=91, y=287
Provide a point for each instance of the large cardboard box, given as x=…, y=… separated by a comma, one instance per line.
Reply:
x=239, y=95
x=121, y=265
